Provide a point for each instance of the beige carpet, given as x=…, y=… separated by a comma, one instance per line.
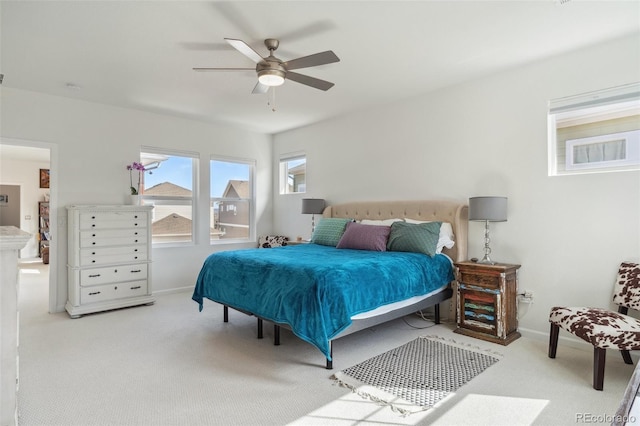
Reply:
x=168, y=364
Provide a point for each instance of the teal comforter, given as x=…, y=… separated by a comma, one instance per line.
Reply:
x=316, y=289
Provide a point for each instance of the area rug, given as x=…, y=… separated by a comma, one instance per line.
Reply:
x=416, y=376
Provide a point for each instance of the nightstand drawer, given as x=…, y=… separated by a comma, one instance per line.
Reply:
x=477, y=278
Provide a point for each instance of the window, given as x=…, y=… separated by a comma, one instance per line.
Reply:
x=232, y=200
x=293, y=174
x=595, y=132
x=168, y=185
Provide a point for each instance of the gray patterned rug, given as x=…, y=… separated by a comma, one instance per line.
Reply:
x=417, y=375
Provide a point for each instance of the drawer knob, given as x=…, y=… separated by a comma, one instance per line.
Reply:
x=94, y=276
x=136, y=270
x=115, y=287
x=94, y=293
x=135, y=288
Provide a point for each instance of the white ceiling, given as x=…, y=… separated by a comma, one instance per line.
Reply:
x=140, y=54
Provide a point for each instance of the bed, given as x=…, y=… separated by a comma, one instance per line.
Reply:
x=322, y=292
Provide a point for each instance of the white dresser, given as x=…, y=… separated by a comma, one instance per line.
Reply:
x=109, y=258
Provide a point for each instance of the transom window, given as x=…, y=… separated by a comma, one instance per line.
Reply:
x=595, y=132
x=293, y=174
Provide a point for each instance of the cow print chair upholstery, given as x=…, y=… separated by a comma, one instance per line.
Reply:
x=602, y=328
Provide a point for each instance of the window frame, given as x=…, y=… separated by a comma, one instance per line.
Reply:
x=151, y=199
x=251, y=200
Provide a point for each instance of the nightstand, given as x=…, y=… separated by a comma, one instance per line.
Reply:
x=487, y=301
x=296, y=242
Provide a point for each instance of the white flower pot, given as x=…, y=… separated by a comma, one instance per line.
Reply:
x=135, y=200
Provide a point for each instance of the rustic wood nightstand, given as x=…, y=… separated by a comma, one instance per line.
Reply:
x=487, y=301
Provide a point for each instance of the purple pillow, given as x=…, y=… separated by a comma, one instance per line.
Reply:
x=364, y=237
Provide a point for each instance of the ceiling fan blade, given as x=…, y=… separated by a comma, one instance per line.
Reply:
x=321, y=58
x=260, y=89
x=245, y=49
x=201, y=69
x=309, y=81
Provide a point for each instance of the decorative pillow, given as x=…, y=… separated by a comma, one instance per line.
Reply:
x=385, y=222
x=364, y=237
x=329, y=230
x=414, y=237
x=269, y=241
x=445, y=239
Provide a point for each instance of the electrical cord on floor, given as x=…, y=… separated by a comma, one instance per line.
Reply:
x=423, y=317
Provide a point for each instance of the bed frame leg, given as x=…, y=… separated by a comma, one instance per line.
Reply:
x=226, y=313
x=276, y=334
x=437, y=313
x=330, y=361
x=259, y=328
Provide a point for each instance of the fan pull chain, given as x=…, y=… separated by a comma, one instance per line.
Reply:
x=272, y=99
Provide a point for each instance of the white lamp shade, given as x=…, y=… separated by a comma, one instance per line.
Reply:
x=493, y=209
x=312, y=205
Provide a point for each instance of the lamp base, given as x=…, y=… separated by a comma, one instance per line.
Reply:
x=486, y=260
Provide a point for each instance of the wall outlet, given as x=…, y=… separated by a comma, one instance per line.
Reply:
x=526, y=297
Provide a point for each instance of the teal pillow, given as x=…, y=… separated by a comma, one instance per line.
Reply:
x=414, y=237
x=329, y=231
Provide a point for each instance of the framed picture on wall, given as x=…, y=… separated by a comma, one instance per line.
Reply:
x=44, y=178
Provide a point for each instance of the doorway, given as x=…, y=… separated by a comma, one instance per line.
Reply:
x=20, y=164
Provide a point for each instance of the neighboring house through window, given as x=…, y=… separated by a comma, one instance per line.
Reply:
x=168, y=186
x=232, y=200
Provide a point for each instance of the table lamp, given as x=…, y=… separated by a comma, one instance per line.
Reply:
x=487, y=209
x=312, y=206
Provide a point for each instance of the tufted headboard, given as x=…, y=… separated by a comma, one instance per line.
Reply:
x=428, y=210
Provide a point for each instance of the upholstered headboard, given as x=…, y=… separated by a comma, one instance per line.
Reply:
x=428, y=210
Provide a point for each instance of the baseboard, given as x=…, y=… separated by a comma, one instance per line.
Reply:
x=174, y=290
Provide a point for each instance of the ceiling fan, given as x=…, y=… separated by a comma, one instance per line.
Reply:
x=273, y=71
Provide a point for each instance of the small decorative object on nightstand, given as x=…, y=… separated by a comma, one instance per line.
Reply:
x=487, y=302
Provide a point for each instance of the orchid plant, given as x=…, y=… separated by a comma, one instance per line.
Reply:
x=135, y=190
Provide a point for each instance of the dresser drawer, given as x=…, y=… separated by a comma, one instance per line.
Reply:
x=105, y=292
x=113, y=274
x=102, y=238
x=112, y=220
x=108, y=255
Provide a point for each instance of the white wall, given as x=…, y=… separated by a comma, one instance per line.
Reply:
x=26, y=174
x=95, y=143
x=489, y=137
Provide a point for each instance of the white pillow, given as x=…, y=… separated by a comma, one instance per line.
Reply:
x=385, y=222
x=445, y=239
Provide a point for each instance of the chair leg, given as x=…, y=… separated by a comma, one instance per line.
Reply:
x=627, y=357
x=553, y=340
x=599, y=356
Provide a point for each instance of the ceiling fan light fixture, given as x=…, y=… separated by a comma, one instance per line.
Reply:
x=271, y=77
